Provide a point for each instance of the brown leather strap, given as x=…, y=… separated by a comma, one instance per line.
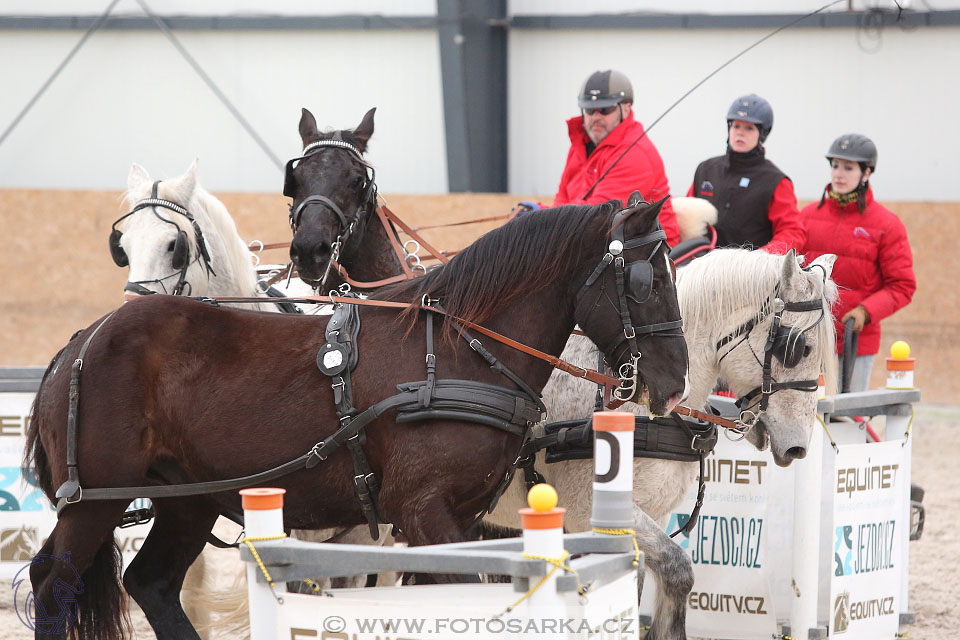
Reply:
x=593, y=376
x=410, y=231
x=408, y=275
x=269, y=245
x=707, y=417
x=507, y=217
x=401, y=253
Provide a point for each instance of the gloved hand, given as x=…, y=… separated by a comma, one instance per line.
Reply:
x=860, y=317
x=526, y=207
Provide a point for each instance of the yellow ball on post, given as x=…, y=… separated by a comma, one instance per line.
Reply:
x=542, y=497
x=899, y=350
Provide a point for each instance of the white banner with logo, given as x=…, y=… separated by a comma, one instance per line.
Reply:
x=741, y=536
x=867, y=532
x=26, y=516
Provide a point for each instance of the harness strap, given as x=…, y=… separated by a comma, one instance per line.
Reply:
x=71, y=487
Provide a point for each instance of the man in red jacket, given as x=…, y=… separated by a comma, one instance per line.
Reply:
x=874, y=267
x=610, y=157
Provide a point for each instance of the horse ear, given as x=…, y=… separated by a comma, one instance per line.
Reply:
x=308, y=127
x=644, y=215
x=137, y=176
x=790, y=267
x=826, y=261
x=185, y=185
x=364, y=130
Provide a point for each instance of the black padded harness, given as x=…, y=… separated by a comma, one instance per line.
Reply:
x=666, y=438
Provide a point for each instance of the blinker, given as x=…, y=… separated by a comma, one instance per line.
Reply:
x=639, y=280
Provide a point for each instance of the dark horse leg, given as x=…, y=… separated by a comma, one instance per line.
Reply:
x=155, y=576
x=76, y=576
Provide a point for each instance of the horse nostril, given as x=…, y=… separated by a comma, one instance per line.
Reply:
x=294, y=254
x=795, y=453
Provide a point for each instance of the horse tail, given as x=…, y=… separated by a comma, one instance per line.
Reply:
x=103, y=612
x=34, y=455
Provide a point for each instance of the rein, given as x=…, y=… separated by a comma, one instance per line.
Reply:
x=593, y=376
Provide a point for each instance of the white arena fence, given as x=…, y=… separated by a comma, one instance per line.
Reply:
x=818, y=548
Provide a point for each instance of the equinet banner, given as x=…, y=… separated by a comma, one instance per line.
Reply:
x=737, y=543
x=867, y=533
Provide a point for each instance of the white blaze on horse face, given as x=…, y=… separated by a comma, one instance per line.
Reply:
x=670, y=268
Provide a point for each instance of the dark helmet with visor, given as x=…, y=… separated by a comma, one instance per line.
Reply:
x=752, y=108
x=605, y=89
x=855, y=147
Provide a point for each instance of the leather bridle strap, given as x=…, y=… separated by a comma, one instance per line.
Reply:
x=321, y=200
x=410, y=231
x=707, y=417
x=579, y=372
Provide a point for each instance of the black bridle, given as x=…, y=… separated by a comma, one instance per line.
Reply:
x=784, y=343
x=181, y=251
x=347, y=224
x=635, y=281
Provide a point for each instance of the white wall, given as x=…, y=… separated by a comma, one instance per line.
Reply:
x=821, y=83
x=128, y=96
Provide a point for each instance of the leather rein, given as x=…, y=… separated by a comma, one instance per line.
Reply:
x=589, y=374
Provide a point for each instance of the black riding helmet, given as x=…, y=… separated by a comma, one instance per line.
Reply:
x=605, y=89
x=855, y=147
x=752, y=108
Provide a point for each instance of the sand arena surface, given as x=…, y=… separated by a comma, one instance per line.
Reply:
x=934, y=577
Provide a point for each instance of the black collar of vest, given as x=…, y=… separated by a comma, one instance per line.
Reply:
x=746, y=159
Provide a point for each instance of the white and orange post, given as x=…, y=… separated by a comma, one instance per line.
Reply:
x=263, y=520
x=542, y=525
x=900, y=368
x=613, y=471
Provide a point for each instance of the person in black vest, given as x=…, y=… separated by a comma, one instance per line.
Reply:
x=756, y=205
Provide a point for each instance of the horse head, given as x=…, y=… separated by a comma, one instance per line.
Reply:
x=628, y=306
x=772, y=358
x=333, y=192
x=159, y=239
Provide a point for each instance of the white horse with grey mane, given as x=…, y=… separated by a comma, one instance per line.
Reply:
x=719, y=294
x=184, y=241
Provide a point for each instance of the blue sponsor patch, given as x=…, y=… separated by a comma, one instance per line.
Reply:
x=744, y=182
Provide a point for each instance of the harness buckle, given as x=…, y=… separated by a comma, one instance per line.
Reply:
x=315, y=451
x=79, y=497
x=631, y=335
x=431, y=359
x=766, y=386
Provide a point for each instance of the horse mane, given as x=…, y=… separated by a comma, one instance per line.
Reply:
x=511, y=261
x=214, y=219
x=726, y=281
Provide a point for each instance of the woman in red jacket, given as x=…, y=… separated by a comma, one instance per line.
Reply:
x=874, y=268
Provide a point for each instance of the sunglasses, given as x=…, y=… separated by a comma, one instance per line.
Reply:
x=604, y=111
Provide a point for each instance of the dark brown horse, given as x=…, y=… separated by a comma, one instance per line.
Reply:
x=334, y=200
x=173, y=390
